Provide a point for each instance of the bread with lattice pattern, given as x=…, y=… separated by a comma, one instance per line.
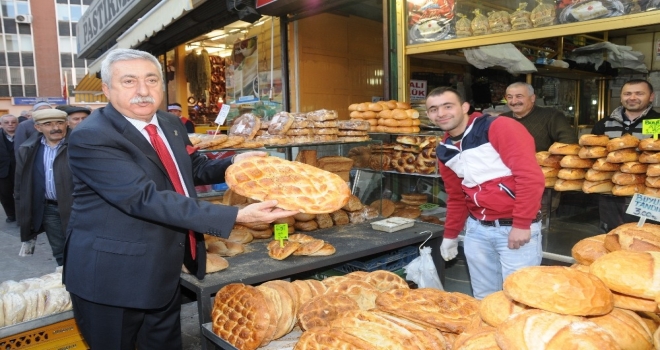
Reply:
x=322, y=310
x=240, y=316
x=294, y=185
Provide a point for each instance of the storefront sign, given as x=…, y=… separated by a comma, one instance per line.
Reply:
x=102, y=21
x=29, y=101
x=261, y=3
x=644, y=207
x=417, y=90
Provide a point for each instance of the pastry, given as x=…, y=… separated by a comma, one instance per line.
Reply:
x=321, y=311
x=240, y=316
x=630, y=272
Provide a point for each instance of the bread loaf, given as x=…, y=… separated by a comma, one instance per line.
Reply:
x=385, y=206
x=497, y=307
x=294, y=185
x=649, y=145
x=601, y=164
x=329, y=338
x=593, y=140
x=632, y=237
x=559, y=289
x=544, y=158
x=539, y=329
x=652, y=181
x=307, y=156
x=245, y=126
x=339, y=217
x=620, y=178
x=568, y=185
x=240, y=316
x=324, y=220
x=321, y=311
x=626, y=328
x=573, y=161
x=625, y=141
x=570, y=174
x=623, y=156
x=649, y=157
x=479, y=339
x=596, y=175
x=628, y=302
x=322, y=115
x=630, y=272
x=335, y=163
x=589, y=249
x=633, y=168
x=628, y=190
x=592, y=152
x=564, y=149
x=280, y=123
x=550, y=182
x=653, y=170
x=652, y=192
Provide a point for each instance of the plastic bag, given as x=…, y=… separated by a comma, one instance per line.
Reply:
x=499, y=21
x=27, y=248
x=463, y=26
x=422, y=270
x=543, y=15
x=520, y=19
x=479, y=24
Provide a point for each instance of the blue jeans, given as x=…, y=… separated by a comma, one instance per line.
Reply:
x=56, y=236
x=489, y=258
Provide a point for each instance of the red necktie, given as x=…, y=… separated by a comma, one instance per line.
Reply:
x=168, y=162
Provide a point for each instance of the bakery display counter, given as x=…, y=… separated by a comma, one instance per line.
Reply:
x=351, y=242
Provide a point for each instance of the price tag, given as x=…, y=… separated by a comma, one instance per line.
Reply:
x=427, y=206
x=222, y=115
x=651, y=126
x=281, y=232
x=645, y=207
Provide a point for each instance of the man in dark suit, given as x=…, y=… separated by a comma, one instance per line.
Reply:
x=128, y=235
x=7, y=165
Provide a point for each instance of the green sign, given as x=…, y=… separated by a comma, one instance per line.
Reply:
x=427, y=206
x=652, y=127
x=281, y=232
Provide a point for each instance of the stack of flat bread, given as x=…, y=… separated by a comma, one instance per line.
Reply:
x=387, y=116
x=325, y=125
x=353, y=130
x=415, y=154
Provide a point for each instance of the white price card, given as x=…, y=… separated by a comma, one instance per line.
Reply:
x=222, y=115
x=645, y=207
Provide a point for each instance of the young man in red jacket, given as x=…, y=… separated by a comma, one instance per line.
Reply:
x=494, y=189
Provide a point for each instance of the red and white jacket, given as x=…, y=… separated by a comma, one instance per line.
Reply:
x=490, y=173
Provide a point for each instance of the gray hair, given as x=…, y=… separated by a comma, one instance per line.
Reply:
x=117, y=55
x=529, y=87
x=6, y=116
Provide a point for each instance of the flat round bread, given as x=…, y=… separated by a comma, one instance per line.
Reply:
x=559, y=289
x=304, y=292
x=383, y=334
x=316, y=287
x=240, y=315
x=363, y=293
x=497, y=307
x=324, y=309
x=274, y=310
x=296, y=186
x=320, y=338
x=385, y=280
x=481, y=339
x=627, y=329
x=279, y=252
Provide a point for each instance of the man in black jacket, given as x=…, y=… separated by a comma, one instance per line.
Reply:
x=7, y=165
x=636, y=106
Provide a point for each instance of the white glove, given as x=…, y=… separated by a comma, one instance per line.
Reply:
x=449, y=248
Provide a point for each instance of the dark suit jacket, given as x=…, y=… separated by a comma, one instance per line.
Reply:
x=7, y=157
x=128, y=228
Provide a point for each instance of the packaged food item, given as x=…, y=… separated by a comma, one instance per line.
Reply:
x=498, y=21
x=479, y=24
x=520, y=19
x=463, y=26
x=246, y=126
x=543, y=15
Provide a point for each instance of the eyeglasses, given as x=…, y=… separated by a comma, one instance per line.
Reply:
x=51, y=124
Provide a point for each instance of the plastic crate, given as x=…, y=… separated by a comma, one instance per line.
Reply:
x=390, y=261
x=60, y=335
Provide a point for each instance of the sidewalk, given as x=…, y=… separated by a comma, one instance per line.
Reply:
x=42, y=262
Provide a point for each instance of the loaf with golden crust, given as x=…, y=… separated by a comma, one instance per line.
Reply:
x=294, y=185
x=589, y=249
x=597, y=175
x=653, y=170
x=630, y=272
x=322, y=310
x=593, y=140
x=625, y=141
x=544, y=158
x=629, y=302
x=448, y=312
x=627, y=329
x=550, y=182
x=649, y=157
x=564, y=149
x=376, y=330
x=628, y=190
x=649, y=144
x=592, y=152
x=633, y=168
x=282, y=251
x=497, y=307
x=240, y=316
x=539, y=329
x=652, y=181
x=385, y=280
x=624, y=155
x=559, y=289
x=570, y=174
x=429, y=338
x=573, y=161
x=620, y=178
x=652, y=192
x=632, y=237
x=362, y=292
x=320, y=338
x=568, y=185
x=601, y=164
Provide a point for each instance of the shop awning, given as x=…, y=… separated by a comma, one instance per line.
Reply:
x=159, y=17
x=89, y=90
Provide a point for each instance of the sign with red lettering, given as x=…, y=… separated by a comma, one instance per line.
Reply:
x=261, y=3
x=417, y=90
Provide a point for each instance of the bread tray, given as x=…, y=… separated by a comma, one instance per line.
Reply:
x=392, y=224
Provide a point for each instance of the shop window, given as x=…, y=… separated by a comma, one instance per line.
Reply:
x=26, y=43
x=27, y=59
x=24, y=29
x=63, y=13
x=76, y=12
x=11, y=43
x=30, y=90
x=64, y=28
x=4, y=90
x=13, y=59
x=3, y=77
x=28, y=76
x=22, y=8
x=17, y=90
x=10, y=25
x=66, y=60
x=15, y=76
x=8, y=9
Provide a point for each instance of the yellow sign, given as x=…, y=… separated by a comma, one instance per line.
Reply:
x=651, y=126
x=281, y=232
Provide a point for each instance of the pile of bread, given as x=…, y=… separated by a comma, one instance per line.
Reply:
x=32, y=298
x=387, y=116
x=338, y=165
x=361, y=310
x=409, y=154
x=621, y=166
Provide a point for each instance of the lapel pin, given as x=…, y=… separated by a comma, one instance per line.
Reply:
x=176, y=133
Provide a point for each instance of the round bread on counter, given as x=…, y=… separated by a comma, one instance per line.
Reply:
x=550, y=172
x=628, y=302
x=653, y=170
x=544, y=158
x=649, y=145
x=559, y=289
x=589, y=249
x=625, y=141
x=564, y=149
x=601, y=164
x=623, y=156
x=620, y=178
x=603, y=186
x=632, y=237
x=628, y=190
x=573, y=161
x=630, y=272
x=497, y=307
x=571, y=174
x=649, y=157
x=597, y=175
x=633, y=168
x=593, y=140
x=384, y=206
x=568, y=185
x=539, y=329
x=592, y=152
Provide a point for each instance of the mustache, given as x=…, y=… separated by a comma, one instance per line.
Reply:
x=142, y=99
x=53, y=132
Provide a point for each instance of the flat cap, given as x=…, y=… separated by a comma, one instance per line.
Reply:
x=47, y=115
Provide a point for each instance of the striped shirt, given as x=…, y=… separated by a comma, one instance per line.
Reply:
x=49, y=158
